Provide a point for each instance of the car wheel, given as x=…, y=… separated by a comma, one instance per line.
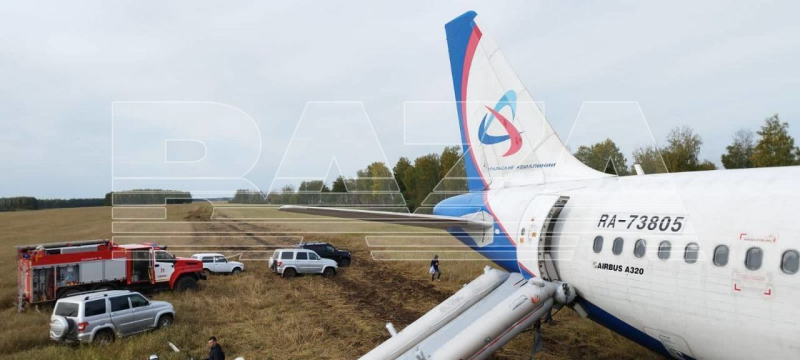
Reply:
x=328, y=272
x=186, y=283
x=164, y=321
x=289, y=273
x=207, y=272
x=344, y=263
x=236, y=271
x=104, y=337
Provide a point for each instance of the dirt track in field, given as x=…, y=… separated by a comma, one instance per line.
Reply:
x=381, y=293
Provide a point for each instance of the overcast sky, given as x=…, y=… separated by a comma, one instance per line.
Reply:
x=714, y=66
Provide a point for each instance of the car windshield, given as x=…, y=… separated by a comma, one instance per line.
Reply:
x=67, y=309
x=164, y=256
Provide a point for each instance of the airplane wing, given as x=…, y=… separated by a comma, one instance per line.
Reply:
x=477, y=222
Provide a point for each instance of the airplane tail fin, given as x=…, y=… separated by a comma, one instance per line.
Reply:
x=506, y=139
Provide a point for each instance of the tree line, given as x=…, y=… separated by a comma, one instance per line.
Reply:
x=773, y=147
x=415, y=181
x=407, y=184
x=132, y=197
x=147, y=197
x=444, y=172
x=32, y=203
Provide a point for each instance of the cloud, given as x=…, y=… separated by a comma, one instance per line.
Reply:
x=714, y=66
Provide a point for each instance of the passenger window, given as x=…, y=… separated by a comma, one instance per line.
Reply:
x=221, y=259
x=119, y=303
x=302, y=256
x=329, y=249
x=691, y=253
x=663, y=250
x=790, y=262
x=138, y=301
x=753, y=258
x=95, y=307
x=208, y=259
x=721, y=255
x=616, y=248
x=313, y=256
x=640, y=248
x=598, y=244
x=288, y=255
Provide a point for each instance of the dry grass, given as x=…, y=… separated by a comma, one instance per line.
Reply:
x=261, y=316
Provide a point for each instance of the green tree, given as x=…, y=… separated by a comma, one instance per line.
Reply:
x=740, y=151
x=426, y=176
x=452, y=172
x=650, y=160
x=338, y=185
x=400, y=170
x=682, y=151
x=604, y=156
x=288, y=196
x=448, y=160
x=776, y=147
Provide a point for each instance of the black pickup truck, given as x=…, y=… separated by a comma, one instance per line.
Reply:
x=326, y=250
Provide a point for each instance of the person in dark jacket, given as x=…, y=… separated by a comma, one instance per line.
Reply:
x=214, y=350
x=435, y=268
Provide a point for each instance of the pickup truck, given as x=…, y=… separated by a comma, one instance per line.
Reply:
x=328, y=251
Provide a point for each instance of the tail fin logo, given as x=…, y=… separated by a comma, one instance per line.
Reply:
x=508, y=100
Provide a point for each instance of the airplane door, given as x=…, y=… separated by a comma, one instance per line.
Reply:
x=532, y=227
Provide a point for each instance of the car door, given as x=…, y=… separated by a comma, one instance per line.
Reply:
x=143, y=316
x=121, y=314
x=208, y=263
x=287, y=259
x=330, y=253
x=302, y=261
x=221, y=264
x=164, y=265
x=314, y=263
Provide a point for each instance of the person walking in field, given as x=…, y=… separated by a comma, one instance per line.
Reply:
x=435, y=268
x=214, y=350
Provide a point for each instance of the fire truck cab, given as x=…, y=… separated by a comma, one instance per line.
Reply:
x=48, y=272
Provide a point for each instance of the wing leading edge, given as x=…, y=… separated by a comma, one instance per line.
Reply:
x=475, y=222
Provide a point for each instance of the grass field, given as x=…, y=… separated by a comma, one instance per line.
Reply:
x=261, y=316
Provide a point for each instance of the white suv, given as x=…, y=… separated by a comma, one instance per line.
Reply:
x=101, y=316
x=216, y=263
x=290, y=262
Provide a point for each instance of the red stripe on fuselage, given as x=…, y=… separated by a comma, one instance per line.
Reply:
x=474, y=38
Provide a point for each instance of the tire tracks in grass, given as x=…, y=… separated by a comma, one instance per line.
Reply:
x=377, y=291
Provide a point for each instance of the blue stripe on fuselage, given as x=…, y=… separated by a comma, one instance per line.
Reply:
x=501, y=251
x=459, y=31
x=618, y=326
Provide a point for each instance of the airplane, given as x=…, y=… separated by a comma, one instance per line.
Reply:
x=695, y=265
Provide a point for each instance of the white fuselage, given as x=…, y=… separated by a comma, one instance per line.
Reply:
x=698, y=309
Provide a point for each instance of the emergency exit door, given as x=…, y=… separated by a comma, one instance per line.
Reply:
x=533, y=227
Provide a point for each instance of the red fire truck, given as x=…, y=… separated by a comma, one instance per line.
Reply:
x=48, y=272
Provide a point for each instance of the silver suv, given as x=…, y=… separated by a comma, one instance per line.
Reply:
x=101, y=316
x=290, y=262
